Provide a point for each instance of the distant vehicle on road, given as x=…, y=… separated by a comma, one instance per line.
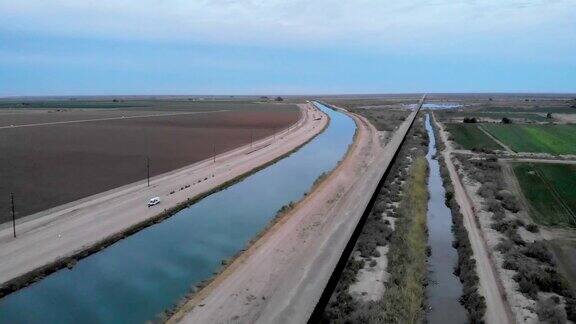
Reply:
x=154, y=201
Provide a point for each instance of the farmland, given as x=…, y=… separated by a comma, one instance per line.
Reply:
x=553, y=139
x=54, y=155
x=549, y=188
x=496, y=115
x=471, y=138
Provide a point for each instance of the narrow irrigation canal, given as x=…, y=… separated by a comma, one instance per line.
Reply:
x=445, y=288
x=137, y=278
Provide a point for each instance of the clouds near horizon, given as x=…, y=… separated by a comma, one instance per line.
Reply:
x=69, y=33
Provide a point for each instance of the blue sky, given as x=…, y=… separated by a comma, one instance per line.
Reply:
x=73, y=47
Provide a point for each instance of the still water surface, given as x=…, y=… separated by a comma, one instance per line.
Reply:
x=445, y=288
x=136, y=278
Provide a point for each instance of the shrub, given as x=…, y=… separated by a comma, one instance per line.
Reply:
x=571, y=309
x=543, y=277
x=488, y=189
x=493, y=205
x=528, y=288
x=504, y=226
x=505, y=246
x=519, y=222
x=549, y=312
x=532, y=228
x=538, y=251
x=515, y=237
x=512, y=259
x=511, y=203
x=499, y=215
x=379, y=207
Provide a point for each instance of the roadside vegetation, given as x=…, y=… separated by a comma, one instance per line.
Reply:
x=468, y=136
x=403, y=300
x=473, y=302
x=397, y=220
x=550, y=190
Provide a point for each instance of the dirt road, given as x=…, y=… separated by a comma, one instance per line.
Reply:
x=535, y=160
x=281, y=277
x=109, y=118
x=497, y=308
x=508, y=149
x=66, y=230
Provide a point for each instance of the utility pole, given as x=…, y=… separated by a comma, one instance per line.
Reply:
x=251, y=137
x=214, y=146
x=13, y=214
x=148, y=169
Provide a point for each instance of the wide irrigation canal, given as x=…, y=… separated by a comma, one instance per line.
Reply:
x=135, y=279
x=445, y=289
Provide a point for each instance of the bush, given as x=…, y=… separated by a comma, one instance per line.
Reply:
x=493, y=205
x=532, y=228
x=549, y=312
x=499, y=215
x=504, y=226
x=515, y=237
x=511, y=203
x=571, y=309
x=512, y=259
x=538, y=251
x=544, y=278
x=488, y=190
x=505, y=246
x=528, y=288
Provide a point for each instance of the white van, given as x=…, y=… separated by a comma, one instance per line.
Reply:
x=154, y=201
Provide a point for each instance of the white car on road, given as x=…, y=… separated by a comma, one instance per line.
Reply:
x=154, y=201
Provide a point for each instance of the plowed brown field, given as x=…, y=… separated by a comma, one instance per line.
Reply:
x=48, y=163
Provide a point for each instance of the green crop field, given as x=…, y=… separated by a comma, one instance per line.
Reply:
x=558, y=110
x=550, y=190
x=470, y=137
x=554, y=139
x=520, y=116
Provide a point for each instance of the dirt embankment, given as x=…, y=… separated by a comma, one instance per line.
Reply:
x=281, y=277
x=63, y=234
